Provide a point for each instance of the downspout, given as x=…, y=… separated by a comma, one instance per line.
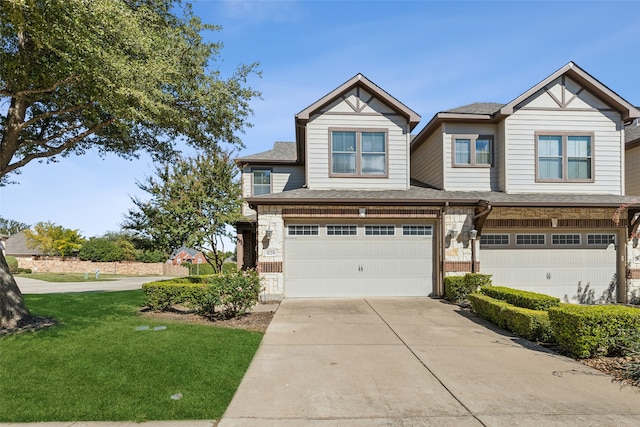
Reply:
x=441, y=254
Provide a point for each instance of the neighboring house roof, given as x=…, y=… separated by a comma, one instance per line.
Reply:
x=493, y=112
x=189, y=251
x=282, y=152
x=16, y=245
x=422, y=194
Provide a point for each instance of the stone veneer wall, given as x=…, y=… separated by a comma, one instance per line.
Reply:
x=457, y=251
x=271, y=251
x=77, y=266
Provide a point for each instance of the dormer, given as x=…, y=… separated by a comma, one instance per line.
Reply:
x=356, y=137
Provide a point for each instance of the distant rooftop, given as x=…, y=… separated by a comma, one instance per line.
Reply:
x=477, y=108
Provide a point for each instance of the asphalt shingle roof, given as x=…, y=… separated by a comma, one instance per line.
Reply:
x=418, y=194
x=477, y=108
x=632, y=131
x=281, y=152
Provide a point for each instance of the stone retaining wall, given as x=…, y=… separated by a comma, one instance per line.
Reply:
x=127, y=267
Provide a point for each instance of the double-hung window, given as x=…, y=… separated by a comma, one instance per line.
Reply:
x=261, y=182
x=473, y=150
x=564, y=156
x=358, y=153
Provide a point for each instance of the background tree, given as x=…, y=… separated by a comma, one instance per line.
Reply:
x=119, y=76
x=54, y=240
x=120, y=246
x=9, y=227
x=192, y=202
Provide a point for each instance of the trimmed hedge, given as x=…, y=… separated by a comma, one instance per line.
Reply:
x=530, y=324
x=456, y=288
x=524, y=299
x=12, y=262
x=230, y=295
x=585, y=331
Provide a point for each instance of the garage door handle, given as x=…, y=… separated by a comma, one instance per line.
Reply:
x=548, y=276
x=360, y=268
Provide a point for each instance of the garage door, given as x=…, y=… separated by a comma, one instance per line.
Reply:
x=572, y=266
x=357, y=259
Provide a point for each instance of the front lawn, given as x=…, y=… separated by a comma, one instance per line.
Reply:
x=105, y=362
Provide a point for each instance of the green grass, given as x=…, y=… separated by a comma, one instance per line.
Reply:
x=95, y=366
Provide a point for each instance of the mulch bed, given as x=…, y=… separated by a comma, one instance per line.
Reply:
x=256, y=320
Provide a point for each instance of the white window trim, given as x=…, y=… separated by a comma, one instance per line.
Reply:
x=341, y=234
x=427, y=227
x=393, y=228
x=317, y=229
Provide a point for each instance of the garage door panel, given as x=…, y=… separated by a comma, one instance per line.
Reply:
x=575, y=275
x=354, y=266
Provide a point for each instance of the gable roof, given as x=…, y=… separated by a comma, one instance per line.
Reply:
x=490, y=112
x=573, y=71
x=17, y=245
x=359, y=80
x=189, y=251
x=281, y=153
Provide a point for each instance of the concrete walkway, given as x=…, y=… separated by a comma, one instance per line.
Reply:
x=414, y=362
x=34, y=286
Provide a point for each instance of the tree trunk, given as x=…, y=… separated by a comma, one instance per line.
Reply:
x=13, y=312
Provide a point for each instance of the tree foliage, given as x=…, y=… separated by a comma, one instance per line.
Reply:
x=191, y=202
x=119, y=76
x=121, y=246
x=54, y=240
x=10, y=226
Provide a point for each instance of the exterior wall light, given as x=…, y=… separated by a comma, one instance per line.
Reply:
x=453, y=233
x=473, y=234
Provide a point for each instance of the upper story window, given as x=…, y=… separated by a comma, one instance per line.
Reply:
x=473, y=150
x=261, y=182
x=564, y=157
x=358, y=153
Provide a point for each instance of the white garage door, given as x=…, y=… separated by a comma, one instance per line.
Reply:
x=572, y=266
x=355, y=259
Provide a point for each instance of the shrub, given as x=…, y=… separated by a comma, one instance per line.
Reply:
x=12, y=262
x=233, y=293
x=100, y=249
x=204, y=269
x=530, y=324
x=524, y=299
x=456, y=288
x=23, y=271
x=585, y=331
x=151, y=256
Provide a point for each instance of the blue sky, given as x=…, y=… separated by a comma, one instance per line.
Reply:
x=431, y=55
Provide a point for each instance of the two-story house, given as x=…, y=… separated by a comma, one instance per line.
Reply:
x=525, y=191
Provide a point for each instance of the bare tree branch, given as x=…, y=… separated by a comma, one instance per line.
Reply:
x=57, y=150
x=48, y=114
x=26, y=92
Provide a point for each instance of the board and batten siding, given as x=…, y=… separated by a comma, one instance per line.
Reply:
x=632, y=172
x=520, y=131
x=427, y=161
x=374, y=116
x=468, y=178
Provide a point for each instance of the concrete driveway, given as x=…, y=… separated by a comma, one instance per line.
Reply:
x=414, y=362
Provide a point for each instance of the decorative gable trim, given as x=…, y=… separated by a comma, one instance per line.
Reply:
x=586, y=81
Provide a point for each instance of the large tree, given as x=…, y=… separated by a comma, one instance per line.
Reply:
x=191, y=203
x=118, y=76
x=54, y=240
